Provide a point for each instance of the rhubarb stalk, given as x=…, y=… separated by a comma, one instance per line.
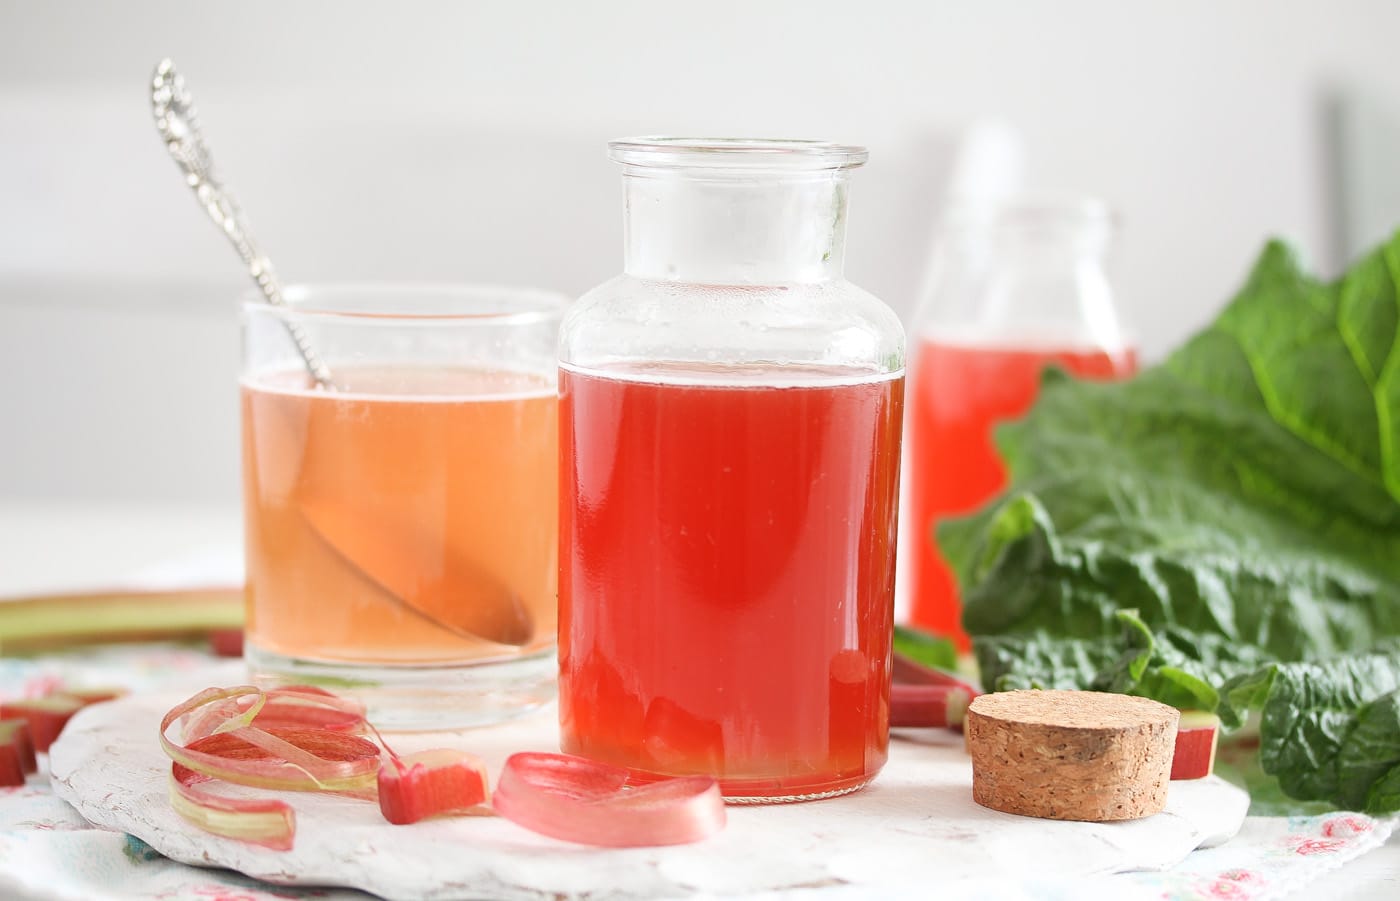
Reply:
x=927, y=697
x=54, y=621
x=929, y=706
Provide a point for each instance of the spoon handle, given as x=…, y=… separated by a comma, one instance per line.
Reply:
x=224, y=210
x=177, y=123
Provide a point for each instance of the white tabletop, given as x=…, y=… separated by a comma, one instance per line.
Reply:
x=68, y=546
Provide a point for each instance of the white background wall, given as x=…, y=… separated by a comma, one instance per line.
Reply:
x=465, y=141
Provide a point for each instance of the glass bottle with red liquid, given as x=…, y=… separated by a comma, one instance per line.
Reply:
x=730, y=421
x=1012, y=291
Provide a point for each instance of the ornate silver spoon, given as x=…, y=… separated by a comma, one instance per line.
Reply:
x=488, y=609
x=179, y=129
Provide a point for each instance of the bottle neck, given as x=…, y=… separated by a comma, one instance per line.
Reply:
x=1046, y=287
x=1033, y=272
x=735, y=229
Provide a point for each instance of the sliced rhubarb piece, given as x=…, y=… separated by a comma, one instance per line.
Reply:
x=16, y=753
x=46, y=716
x=929, y=706
x=11, y=768
x=1196, y=738
x=226, y=642
x=15, y=734
x=590, y=803
x=429, y=784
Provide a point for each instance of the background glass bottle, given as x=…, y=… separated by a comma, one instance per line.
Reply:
x=1012, y=290
x=730, y=419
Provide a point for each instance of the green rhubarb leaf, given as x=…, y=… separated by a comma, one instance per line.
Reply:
x=1329, y=731
x=1370, y=756
x=1242, y=499
x=1385, y=794
x=1008, y=662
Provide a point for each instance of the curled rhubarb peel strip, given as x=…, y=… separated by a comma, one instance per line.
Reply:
x=581, y=801
x=298, y=759
x=219, y=708
x=294, y=706
x=305, y=706
x=568, y=776
x=220, y=744
x=327, y=759
x=267, y=822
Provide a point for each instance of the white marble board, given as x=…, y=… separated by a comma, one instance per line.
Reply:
x=915, y=826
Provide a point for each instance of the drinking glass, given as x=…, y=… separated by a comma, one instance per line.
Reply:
x=401, y=522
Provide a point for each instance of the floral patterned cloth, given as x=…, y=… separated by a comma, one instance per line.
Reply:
x=47, y=851
x=1271, y=857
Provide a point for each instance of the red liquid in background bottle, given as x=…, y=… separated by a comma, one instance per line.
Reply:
x=961, y=393
x=727, y=575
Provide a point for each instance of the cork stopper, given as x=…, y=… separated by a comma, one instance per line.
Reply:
x=1071, y=755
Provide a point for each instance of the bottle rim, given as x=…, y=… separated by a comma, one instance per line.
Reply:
x=736, y=154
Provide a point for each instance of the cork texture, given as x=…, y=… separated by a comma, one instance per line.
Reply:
x=1071, y=755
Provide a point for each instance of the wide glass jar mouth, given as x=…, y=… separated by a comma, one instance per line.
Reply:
x=736, y=154
x=390, y=303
